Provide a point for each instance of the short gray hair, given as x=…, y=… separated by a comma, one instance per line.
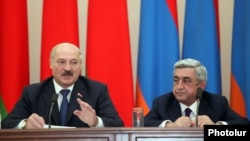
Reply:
x=53, y=50
x=201, y=71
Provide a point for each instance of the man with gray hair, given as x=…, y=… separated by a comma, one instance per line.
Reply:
x=81, y=102
x=189, y=104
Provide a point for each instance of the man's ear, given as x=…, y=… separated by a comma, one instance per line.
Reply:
x=50, y=63
x=202, y=84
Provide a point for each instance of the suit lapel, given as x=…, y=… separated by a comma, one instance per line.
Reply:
x=79, y=91
x=204, y=107
x=174, y=110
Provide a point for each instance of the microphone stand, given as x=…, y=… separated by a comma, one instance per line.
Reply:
x=197, y=109
x=198, y=97
x=53, y=101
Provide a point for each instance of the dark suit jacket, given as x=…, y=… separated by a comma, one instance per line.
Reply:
x=166, y=107
x=36, y=98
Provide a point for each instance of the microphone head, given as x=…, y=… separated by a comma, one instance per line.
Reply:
x=198, y=92
x=54, y=98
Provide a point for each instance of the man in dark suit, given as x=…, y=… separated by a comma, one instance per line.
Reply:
x=169, y=109
x=89, y=104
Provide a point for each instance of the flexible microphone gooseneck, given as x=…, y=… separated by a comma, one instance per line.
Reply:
x=198, y=97
x=53, y=101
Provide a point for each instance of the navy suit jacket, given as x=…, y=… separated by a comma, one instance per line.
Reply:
x=166, y=107
x=36, y=98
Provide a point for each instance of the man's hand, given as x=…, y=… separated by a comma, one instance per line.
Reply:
x=204, y=120
x=180, y=122
x=87, y=114
x=34, y=121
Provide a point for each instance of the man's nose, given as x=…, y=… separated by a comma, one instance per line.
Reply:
x=67, y=66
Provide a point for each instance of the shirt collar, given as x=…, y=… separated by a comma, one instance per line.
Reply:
x=193, y=107
x=58, y=88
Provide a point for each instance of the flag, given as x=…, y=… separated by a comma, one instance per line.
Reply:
x=14, y=53
x=158, y=50
x=240, y=63
x=201, y=39
x=108, y=52
x=59, y=24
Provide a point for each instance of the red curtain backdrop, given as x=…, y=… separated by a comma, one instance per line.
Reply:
x=108, y=52
x=59, y=24
x=14, y=53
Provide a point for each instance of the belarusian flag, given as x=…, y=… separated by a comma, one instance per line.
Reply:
x=14, y=53
x=108, y=52
x=59, y=24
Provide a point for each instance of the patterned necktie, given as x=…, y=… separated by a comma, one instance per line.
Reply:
x=64, y=105
x=187, y=112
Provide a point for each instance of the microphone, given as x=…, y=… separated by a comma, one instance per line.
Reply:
x=53, y=101
x=198, y=97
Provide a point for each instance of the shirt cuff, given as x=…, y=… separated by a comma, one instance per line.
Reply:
x=163, y=124
x=100, y=122
x=21, y=124
x=221, y=123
